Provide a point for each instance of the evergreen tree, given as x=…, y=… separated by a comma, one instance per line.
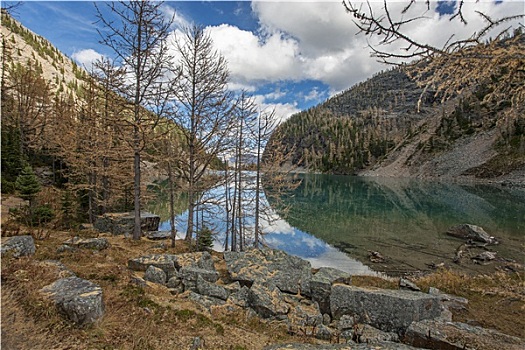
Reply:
x=27, y=184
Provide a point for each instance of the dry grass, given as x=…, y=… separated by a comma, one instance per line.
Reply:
x=135, y=317
x=151, y=318
x=495, y=301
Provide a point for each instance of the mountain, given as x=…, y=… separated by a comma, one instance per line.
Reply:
x=390, y=126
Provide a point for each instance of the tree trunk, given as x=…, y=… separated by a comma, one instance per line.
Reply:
x=172, y=206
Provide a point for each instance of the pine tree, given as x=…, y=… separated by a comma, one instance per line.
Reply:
x=27, y=184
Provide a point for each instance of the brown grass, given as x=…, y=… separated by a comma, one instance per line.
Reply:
x=151, y=318
x=495, y=301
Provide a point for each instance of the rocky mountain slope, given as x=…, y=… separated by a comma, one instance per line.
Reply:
x=387, y=126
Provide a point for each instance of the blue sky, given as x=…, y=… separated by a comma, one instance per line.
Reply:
x=289, y=55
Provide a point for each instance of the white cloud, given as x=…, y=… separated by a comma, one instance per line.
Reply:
x=283, y=111
x=179, y=20
x=86, y=58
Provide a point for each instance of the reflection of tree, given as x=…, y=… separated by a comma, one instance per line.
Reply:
x=393, y=215
x=161, y=204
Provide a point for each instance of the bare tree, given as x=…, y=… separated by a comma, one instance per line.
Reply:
x=204, y=110
x=460, y=62
x=138, y=40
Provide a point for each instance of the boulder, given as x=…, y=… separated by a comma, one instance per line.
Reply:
x=124, y=223
x=456, y=336
x=408, y=285
x=18, y=246
x=240, y=297
x=88, y=243
x=78, y=299
x=363, y=333
x=158, y=235
x=155, y=275
x=62, y=270
x=321, y=285
x=202, y=260
x=304, y=314
x=165, y=262
x=388, y=310
x=288, y=273
x=473, y=232
x=205, y=301
x=267, y=300
x=189, y=276
x=351, y=346
x=448, y=300
x=211, y=289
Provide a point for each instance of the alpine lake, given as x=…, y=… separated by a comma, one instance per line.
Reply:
x=338, y=221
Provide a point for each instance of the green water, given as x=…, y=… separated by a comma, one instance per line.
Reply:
x=405, y=220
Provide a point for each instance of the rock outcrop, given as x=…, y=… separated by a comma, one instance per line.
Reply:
x=78, y=299
x=18, y=246
x=288, y=273
x=388, y=310
x=87, y=243
x=123, y=223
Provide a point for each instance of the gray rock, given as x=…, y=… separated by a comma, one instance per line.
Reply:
x=408, y=285
x=211, y=289
x=78, y=299
x=388, y=310
x=166, y=262
x=473, y=232
x=454, y=336
x=88, y=243
x=323, y=332
x=189, y=276
x=484, y=257
x=206, y=262
x=304, y=314
x=205, y=301
x=202, y=260
x=370, y=335
x=267, y=301
x=155, y=275
x=376, y=346
x=289, y=273
x=448, y=300
x=346, y=322
x=124, y=223
x=158, y=235
x=321, y=285
x=240, y=298
x=174, y=282
x=18, y=246
x=62, y=270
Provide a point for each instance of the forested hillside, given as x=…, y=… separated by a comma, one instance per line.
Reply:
x=390, y=126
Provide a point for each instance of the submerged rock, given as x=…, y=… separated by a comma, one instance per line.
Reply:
x=473, y=232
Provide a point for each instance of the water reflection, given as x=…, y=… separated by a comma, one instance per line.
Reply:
x=335, y=220
x=403, y=219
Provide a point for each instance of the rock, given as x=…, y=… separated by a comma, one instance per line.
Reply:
x=267, y=301
x=288, y=273
x=473, y=232
x=324, y=332
x=388, y=310
x=408, y=285
x=138, y=281
x=240, y=298
x=62, y=270
x=158, y=235
x=155, y=275
x=376, y=257
x=346, y=322
x=88, y=243
x=211, y=289
x=166, y=262
x=304, y=314
x=78, y=299
x=458, y=336
x=205, y=301
x=174, y=282
x=363, y=333
x=202, y=260
x=189, y=276
x=321, y=285
x=448, y=300
x=124, y=223
x=352, y=346
x=18, y=246
x=197, y=343
x=484, y=257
